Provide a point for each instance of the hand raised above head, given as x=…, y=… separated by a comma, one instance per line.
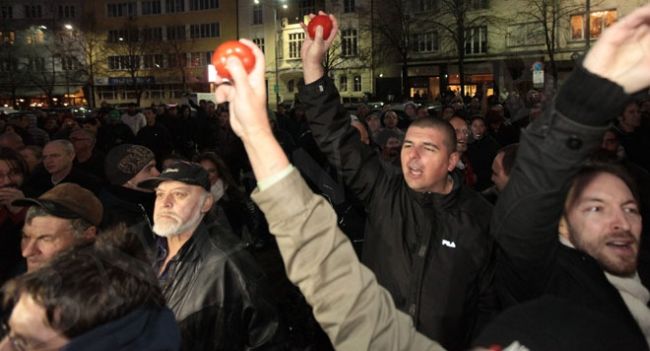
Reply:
x=246, y=94
x=622, y=54
x=313, y=51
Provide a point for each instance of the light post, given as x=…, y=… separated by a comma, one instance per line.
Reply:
x=277, y=32
x=65, y=65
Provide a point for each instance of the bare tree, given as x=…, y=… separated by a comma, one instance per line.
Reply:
x=11, y=76
x=548, y=15
x=89, y=54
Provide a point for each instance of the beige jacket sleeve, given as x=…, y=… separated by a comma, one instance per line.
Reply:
x=355, y=312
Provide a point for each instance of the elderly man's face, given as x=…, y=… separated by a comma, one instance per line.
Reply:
x=56, y=158
x=179, y=208
x=43, y=238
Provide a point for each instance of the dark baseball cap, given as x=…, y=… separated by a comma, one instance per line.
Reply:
x=185, y=172
x=68, y=200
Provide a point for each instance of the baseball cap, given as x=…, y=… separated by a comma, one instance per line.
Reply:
x=68, y=200
x=185, y=172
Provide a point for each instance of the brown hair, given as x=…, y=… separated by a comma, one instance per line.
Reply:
x=594, y=168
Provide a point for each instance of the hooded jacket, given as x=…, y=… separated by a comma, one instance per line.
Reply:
x=432, y=252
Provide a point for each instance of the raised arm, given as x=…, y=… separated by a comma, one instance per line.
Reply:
x=356, y=163
x=355, y=312
x=553, y=148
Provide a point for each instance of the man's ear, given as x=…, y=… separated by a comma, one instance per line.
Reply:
x=207, y=204
x=454, y=157
x=90, y=233
x=563, y=228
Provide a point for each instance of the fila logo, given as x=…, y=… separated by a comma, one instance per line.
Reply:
x=448, y=243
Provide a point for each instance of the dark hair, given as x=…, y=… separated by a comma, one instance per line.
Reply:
x=440, y=124
x=509, y=156
x=89, y=285
x=15, y=160
x=593, y=168
x=224, y=172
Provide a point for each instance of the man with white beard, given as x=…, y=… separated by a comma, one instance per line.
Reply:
x=215, y=288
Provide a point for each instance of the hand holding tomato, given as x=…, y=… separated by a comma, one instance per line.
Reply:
x=232, y=48
x=324, y=22
x=314, y=48
x=246, y=93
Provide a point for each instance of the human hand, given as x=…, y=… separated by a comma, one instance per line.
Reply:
x=313, y=51
x=622, y=54
x=246, y=94
x=9, y=194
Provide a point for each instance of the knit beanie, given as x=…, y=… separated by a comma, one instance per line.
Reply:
x=124, y=161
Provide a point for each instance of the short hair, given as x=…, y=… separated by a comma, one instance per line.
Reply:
x=509, y=155
x=593, y=168
x=79, y=225
x=15, y=160
x=90, y=285
x=222, y=167
x=65, y=144
x=439, y=124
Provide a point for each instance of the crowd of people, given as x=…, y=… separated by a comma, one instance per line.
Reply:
x=501, y=225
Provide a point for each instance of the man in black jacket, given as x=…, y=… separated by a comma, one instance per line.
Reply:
x=427, y=235
x=217, y=292
x=592, y=265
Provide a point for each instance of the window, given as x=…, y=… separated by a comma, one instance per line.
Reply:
x=258, y=15
x=259, y=42
x=122, y=9
x=357, y=83
x=343, y=83
x=151, y=7
x=478, y=4
x=35, y=37
x=204, y=30
x=199, y=59
x=525, y=34
x=476, y=40
x=176, y=60
x=306, y=7
x=425, y=5
x=348, y=6
x=7, y=38
x=152, y=34
x=36, y=64
x=196, y=5
x=33, y=11
x=349, y=42
x=176, y=33
x=123, y=62
x=68, y=63
x=295, y=44
x=291, y=85
x=66, y=11
x=152, y=61
x=6, y=12
x=598, y=21
x=172, y=6
x=425, y=42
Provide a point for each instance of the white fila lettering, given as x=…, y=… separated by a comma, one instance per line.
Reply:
x=448, y=243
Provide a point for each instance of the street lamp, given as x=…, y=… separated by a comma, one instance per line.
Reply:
x=68, y=26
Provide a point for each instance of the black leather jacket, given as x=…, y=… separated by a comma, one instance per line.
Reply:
x=219, y=295
x=432, y=252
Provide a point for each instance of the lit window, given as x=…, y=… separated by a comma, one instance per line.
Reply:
x=598, y=21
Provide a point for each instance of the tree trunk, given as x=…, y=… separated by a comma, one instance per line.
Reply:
x=405, y=77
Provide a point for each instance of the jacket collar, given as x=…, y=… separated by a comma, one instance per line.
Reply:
x=437, y=200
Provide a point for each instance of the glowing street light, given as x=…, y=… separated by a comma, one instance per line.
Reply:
x=68, y=26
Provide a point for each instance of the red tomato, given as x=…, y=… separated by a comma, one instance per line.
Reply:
x=323, y=21
x=232, y=48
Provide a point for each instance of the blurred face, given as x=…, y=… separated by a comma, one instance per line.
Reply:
x=179, y=208
x=409, y=110
x=10, y=175
x=478, y=129
x=29, y=329
x=223, y=118
x=392, y=148
x=373, y=123
x=462, y=133
x=43, y=238
x=390, y=120
x=631, y=117
x=447, y=113
x=422, y=113
x=605, y=223
x=610, y=142
x=211, y=168
x=81, y=141
x=150, y=116
x=149, y=171
x=56, y=159
x=426, y=160
x=499, y=176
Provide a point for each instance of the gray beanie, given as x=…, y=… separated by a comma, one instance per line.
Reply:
x=124, y=161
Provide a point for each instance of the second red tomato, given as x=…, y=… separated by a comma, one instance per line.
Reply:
x=323, y=21
x=232, y=48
